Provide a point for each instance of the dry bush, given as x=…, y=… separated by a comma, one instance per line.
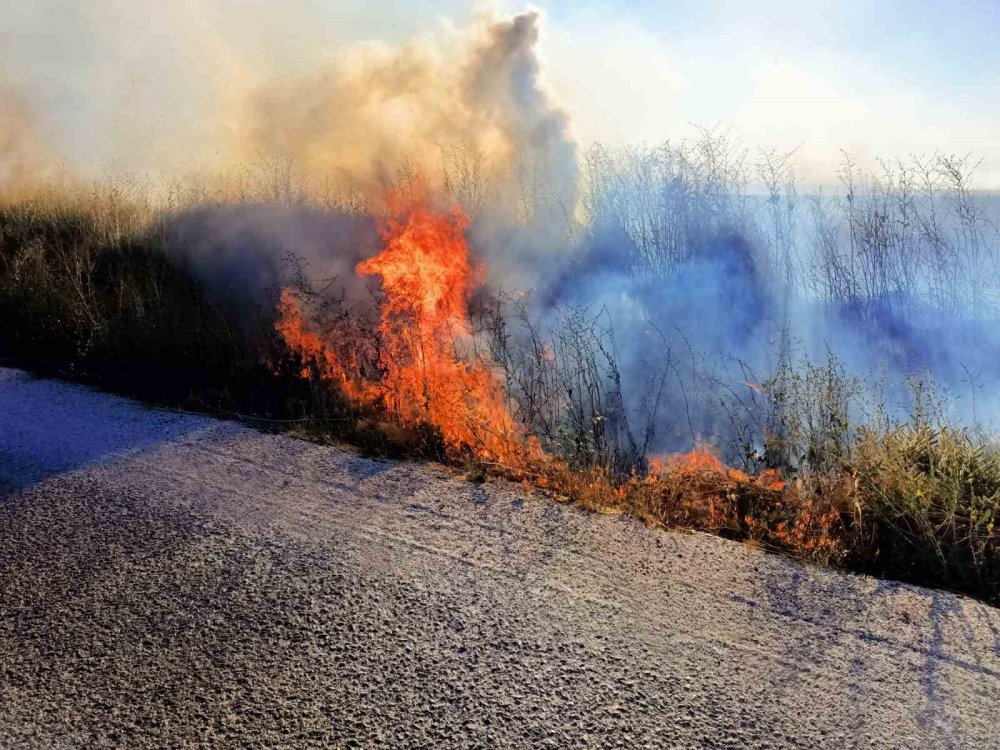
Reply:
x=929, y=500
x=87, y=290
x=564, y=385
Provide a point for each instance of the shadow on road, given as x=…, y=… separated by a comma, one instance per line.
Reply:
x=48, y=427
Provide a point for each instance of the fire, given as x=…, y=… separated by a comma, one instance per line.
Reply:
x=414, y=366
x=343, y=364
x=699, y=459
x=702, y=460
x=426, y=275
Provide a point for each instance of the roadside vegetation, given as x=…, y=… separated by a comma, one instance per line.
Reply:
x=812, y=461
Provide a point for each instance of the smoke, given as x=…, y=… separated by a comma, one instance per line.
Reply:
x=377, y=109
x=188, y=91
x=23, y=153
x=167, y=90
x=678, y=339
x=246, y=253
x=466, y=110
x=466, y=114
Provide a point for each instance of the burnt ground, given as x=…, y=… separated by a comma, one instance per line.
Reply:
x=174, y=581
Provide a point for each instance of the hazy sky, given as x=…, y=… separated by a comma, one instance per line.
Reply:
x=882, y=78
x=879, y=78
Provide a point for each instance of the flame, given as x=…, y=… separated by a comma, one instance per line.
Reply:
x=426, y=275
x=342, y=367
x=702, y=460
x=770, y=479
x=694, y=461
x=414, y=368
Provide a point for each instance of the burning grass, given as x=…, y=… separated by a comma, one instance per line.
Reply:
x=93, y=293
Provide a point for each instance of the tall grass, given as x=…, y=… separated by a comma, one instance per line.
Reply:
x=905, y=231
x=88, y=290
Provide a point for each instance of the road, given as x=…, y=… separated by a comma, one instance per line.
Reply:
x=176, y=581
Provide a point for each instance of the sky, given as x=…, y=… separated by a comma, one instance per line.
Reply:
x=879, y=79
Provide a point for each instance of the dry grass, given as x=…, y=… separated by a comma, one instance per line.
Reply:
x=929, y=503
x=916, y=503
x=703, y=495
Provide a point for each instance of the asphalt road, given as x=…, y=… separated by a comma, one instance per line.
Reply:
x=174, y=581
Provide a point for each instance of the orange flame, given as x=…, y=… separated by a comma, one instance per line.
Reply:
x=414, y=368
x=426, y=274
x=702, y=460
x=692, y=462
x=314, y=350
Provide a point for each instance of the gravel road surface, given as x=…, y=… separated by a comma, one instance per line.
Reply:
x=175, y=581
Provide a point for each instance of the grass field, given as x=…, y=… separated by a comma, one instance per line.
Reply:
x=91, y=289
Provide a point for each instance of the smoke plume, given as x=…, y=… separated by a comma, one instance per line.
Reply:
x=376, y=109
